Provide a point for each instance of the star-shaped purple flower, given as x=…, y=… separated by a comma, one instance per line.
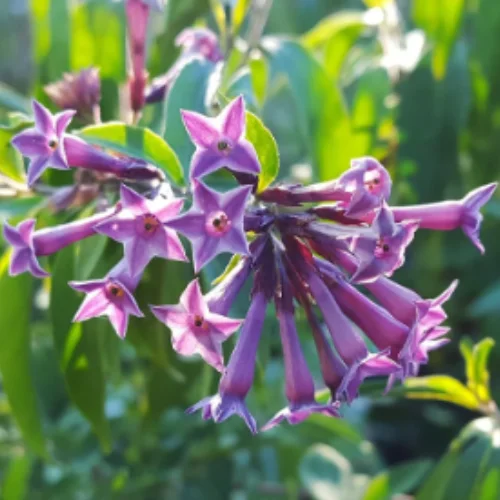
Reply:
x=382, y=251
x=110, y=297
x=214, y=224
x=369, y=184
x=220, y=142
x=140, y=227
x=195, y=329
x=43, y=143
x=24, y=257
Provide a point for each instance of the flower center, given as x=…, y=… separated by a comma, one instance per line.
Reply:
x=223, y=146
x=52, y=144
x=199, y=322
x=150, y=223
x=115, y=290
x=218, y=223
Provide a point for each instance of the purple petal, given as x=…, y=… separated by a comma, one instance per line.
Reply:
x=119, y=319
x=175, y=317
x=44, y=121
x=234, y=241
x=12, y=235
x=235, y=201
x=243, y=158
x=133, y=201
x=20, y=262
x=138, y=255
x=191, y=224
x=62, y=120
x=206, y=161
x=95, y=304
x=384, y=221
x=36, y=270
x=166, y=244
x=192, y=299
x=233, y=119
x=58, y=159
x=166, y=210
x=211, y=352
x=205, y=199
x=119, y=228
x=35, y=170
x=200, y=128
x=185, y=343
x=31, y=143
x=224, y=325
x=129, y=303
x=87, y=286
x=205, y=249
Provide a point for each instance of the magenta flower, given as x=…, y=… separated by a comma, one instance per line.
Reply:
x=28, y=244
x=220, y=142
x=111, y=296
x=369, y=184
x=449, y=215
x=214, y=224
x=44, y=143
x=140, y=227
x=382, y=251
x=196, y=329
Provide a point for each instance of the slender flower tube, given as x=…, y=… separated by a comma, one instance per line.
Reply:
x=220, y=142
x=195, y=328
x=111, y=296
x=29, y=244
x=44, y=143
x=348, y=343
x=140, y=227
x=214, y=224
x=299, y=382
x=237, y=380
x=382, y=251
x=449, y=215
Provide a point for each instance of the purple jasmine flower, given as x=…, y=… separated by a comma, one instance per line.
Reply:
x=28, y=244
x=369, y=184
x=401, y=301
x=111, y=296
x=214, y=224
x=299, y=381
x=195, y=328
x=449, y=215
x=140, y=227
x=382, y=251
x=360, y=363
x=44, y=143
x=220, y=142
x=237, y=380
x=80, y=91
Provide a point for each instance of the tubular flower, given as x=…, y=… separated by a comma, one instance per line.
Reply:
x=448, y=215
x=140, y=227
x=111, y=296
x=195, y=328
x=28, y=244
x=214, y=224
x=318, y=258
x=44, y=143
x=220, y=142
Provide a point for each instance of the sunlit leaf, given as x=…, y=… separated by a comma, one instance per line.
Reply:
x=16, y=480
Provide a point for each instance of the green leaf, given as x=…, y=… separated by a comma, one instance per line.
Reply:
x=12, y=100
x=476, y=359
x=137, y=142
x=78, y=345
x=267, y=150
x=17, y=381
x=16, y=480
x=323, y=118
x=442, y=22
x=11, y=162
x=402, y=478
x=188, y=92
x=487, y=303
x=259, y=74
x=233, y=262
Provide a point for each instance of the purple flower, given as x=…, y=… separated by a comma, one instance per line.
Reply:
x=44, y=143
x=299, y=381
x=80, y=91
x=220, y=142
x=449, y=215
x=195, y=328
x=237, y=380
x=401, y=302
x=214, y=224
x=369, y=184
x=111, y=296
x=382, y=251
x=140, y=227
x=348, y=343
x=28, y=244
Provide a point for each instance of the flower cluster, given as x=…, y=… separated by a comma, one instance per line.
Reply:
x=314, y=247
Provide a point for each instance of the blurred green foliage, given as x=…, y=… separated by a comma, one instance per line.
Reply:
x=105, y=419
